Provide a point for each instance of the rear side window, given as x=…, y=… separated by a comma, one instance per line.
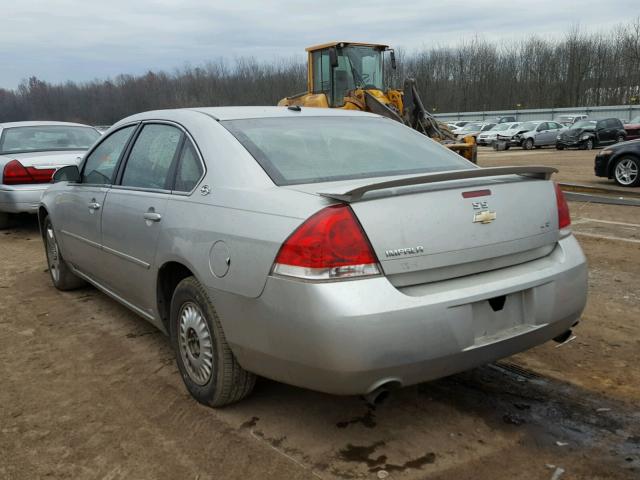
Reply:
x=152, y=156
x=102, y=161
x=189, y=169
x=319, y=149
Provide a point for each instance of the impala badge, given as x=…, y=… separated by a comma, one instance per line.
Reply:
x=484, y=217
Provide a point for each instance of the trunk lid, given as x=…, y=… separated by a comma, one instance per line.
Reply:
x=428, y=232
x=47, y=159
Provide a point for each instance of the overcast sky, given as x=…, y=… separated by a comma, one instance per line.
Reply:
x=59, y=40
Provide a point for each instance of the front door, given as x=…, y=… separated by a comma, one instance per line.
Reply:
x=81, y=205
x=133, y=213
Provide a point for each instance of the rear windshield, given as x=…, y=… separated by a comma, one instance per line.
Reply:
x=46, y=138
x=321, y=149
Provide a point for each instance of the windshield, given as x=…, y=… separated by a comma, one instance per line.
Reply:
x=500, y=127
x=321, y=149
x=44, y=138
x=635, y=120
x=470, y=127
x=528, y=126
x=362, y=66
x=584, y=124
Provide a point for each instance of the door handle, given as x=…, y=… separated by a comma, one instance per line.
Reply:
x=152, y=216
x=94, y=206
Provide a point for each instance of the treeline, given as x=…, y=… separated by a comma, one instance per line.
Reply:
x=579, y=69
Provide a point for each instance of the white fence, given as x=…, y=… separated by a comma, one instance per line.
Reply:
x=623, y=112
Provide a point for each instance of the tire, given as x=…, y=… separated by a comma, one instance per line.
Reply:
x=587, y=145
x=528, y=144
x=620, y=139
x=559, y=147
x=196, y=334
x=627, y=171
x=5, y=220
x=61, y=275
x=507, y=146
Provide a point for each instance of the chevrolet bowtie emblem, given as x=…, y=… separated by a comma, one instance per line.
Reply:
x=484, y=217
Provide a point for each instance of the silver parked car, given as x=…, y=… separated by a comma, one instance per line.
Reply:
x=30, y=152
x=537, y=134
x=505, y=130
x=334, y=250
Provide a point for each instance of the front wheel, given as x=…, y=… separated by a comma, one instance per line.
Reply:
x=626, y=172
x=620, y=139
x=528, y=144
x=588, y=144
x=208, y=367
x=61, y=275
x=559, y=147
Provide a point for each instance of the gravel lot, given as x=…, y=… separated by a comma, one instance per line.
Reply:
x=90, y=390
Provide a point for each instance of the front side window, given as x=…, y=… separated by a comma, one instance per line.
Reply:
x=189, y=169
x=45, y=138
x=320, y=149
x=151, y=157
x=543, y=127
x=102, y=161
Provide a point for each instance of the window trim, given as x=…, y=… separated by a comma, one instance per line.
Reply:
x=125, y=151
x=122, y=165
x=179, y=162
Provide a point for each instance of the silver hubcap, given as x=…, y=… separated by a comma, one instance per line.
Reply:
x=626, y=172
x=53, y=255
x=196, y=346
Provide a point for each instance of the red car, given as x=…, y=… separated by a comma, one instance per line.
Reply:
x=633, y=128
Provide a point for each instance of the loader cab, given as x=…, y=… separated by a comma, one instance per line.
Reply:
x=337, y=68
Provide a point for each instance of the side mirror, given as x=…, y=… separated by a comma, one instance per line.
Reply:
x=333, y=57
x=70, y=173
x=392, y=56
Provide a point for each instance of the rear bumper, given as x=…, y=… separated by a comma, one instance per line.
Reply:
x=21, y=199
x=350, y=337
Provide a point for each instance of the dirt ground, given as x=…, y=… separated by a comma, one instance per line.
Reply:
x=90, y=390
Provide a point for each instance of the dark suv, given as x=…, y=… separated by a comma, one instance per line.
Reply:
x=587, y=134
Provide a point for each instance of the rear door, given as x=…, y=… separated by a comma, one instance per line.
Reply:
x=133, y=212
x=80, y=206
x=544, y=135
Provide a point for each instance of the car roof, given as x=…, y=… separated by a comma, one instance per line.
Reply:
x=41, y=123
x=239, y=113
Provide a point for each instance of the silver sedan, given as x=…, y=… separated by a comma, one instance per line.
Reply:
x=30, y=152
x=334, y=250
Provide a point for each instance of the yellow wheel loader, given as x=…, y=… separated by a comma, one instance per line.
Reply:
x=351, y=75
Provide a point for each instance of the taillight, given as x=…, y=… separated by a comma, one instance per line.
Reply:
x=330, y=245
x=564, y=218
x=15, y=173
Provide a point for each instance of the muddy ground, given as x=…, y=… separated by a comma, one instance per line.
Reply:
x=90, y=390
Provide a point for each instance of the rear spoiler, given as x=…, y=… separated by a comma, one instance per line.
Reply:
x=356, y=194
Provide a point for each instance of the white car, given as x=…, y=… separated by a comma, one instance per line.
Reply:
x=30, y=152
x=502, y=129
x=474, y=129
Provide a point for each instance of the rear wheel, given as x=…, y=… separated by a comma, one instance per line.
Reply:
x=61, y=275
x=528, y=144
x=208, y=367
x=5, y=220
x=626, y=172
